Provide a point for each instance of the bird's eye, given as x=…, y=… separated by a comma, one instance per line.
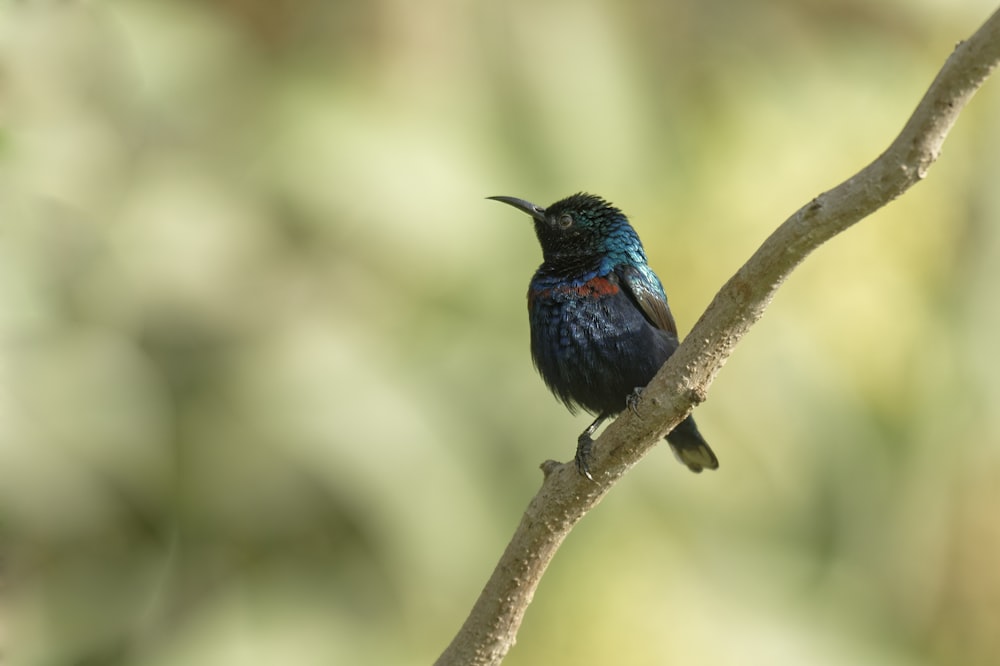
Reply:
x=565, y=221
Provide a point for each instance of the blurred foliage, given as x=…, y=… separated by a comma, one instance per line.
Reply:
x=265, y=392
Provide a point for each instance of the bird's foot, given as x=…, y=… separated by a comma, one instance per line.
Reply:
x=585, y=443
x=583, y=446
x=632, y=400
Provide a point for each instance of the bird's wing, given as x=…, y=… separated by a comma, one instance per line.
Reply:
x=645, y=290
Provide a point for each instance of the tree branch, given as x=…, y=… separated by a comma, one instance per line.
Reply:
x=565, y=496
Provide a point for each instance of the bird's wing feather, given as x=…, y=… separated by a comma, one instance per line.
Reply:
x=645, y=289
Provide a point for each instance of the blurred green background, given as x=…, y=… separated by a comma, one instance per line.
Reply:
x=265, y=390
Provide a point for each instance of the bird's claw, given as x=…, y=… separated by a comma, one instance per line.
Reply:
x=582, y=459
x=632, y=400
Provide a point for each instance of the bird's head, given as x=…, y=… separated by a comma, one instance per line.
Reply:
x=581, y=230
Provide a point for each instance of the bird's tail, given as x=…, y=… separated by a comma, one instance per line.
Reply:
x=691, y=448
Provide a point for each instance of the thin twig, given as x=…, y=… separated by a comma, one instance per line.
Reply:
x=565, y=497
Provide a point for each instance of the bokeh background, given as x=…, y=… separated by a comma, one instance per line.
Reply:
x=265, y=391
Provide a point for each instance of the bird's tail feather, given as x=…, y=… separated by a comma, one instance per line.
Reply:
x=691, y=448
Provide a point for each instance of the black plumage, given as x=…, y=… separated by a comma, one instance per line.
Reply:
x=600, y=324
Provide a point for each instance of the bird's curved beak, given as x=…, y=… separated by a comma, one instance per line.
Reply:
x=537, y=212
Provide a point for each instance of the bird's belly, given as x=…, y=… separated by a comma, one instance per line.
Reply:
x=594, y=351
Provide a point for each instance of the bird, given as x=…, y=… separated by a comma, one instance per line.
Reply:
x=599, y=320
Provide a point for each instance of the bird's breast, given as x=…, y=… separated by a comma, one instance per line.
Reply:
x=590, y=342
x=594, y=288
